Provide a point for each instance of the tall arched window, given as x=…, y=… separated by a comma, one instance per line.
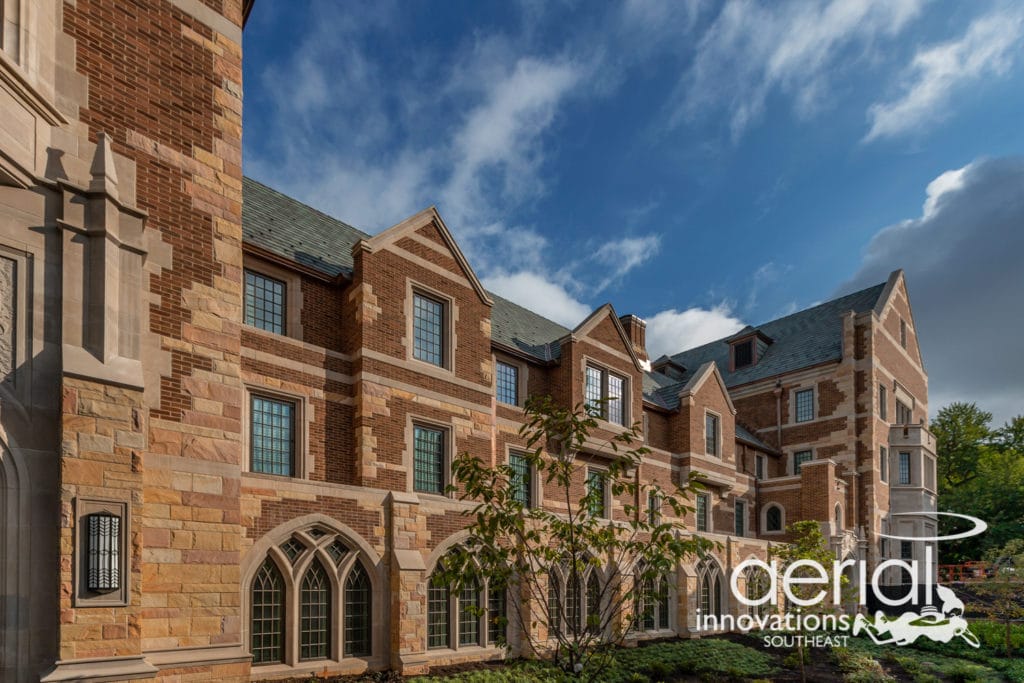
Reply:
x=593, y=602
x=358, y=601
x=315, y=610
x=758, y=583
x=573, y=603
x=469, y=614
x=267, y=614
x=705, y=595
x=497, y=617
x=645, y=605
x=773, y=518
x=664, y=603
x=554, y=604
x=438, y=611
x=709, y=586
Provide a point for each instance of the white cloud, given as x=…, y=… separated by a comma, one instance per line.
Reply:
x=752, y=50
x=539, y=294
x=618, y=257
x=672, y=331
x=962, y=262
x=988, y=47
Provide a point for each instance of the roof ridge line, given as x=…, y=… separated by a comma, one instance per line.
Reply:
x=305, y=205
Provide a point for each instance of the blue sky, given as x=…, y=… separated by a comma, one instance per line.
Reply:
x=700, y=164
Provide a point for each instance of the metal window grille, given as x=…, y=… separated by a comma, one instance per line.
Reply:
x=663, y=603
x=702, y=512
x=469, y=615
x=520, y=481
x=741, y=518
x=616, y=400
x=267, y=622
x=773, y=518
x=554, y=605
x=428, y=330
x=428, y=457
x=507, y=383
x=596, y=489
x=315, y=611
x=711, y=434
x=272, y=436
x=264, y=302
x=799, y=459
x=805, y=405
x=904, y=468
x=593, y=391
x=497, y=619
x=292, y=548
x=358, y=599
x=104, y=552
x=438, y=613
x=593, y=602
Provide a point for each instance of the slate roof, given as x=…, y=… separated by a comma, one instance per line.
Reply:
x=800, y=340
x=744, y=434
x=289, y=228
x=522, y=329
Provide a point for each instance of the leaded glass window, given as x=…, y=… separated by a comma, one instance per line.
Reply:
x=507, y=383
x=759, y=466
x=645, y=605
x=469, y=615
x=773, y=518
x=883, y=405
x=593, y=602
x=605, y=394
x=705, y=595
x=267, y=623
x=593, y=391
x=653, y=507
x=438, y=612
x=702, y=512
x=337, y=550
x=358, y=601
x=799, y=458
x=428, y=459
x=616, y=411
x=292, y=548
x=315, y=613
x=741, y=518
x=554, y=604
x=717, y=594
x=520, y=481
x=272, y=436
x=805, y=405
x=663, y=603
x=104, y=552
x=264, y=302
x=904, y=473
x=428, y=329
x=710, y=434
x=573, y=603
x=497, y=619
x=596, y=489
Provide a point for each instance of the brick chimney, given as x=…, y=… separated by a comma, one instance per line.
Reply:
x=636, y=330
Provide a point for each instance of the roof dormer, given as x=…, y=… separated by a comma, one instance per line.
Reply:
x=747, y=347
x=666, y=366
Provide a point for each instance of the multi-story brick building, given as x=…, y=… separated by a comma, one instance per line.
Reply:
x=227, y=419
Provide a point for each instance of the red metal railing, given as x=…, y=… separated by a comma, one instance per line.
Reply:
x=968, y=571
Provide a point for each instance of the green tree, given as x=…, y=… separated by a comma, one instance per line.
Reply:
x=981, y=473
x=810, y=545
x=516, y=544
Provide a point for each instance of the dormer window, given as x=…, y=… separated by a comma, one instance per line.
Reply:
x=743, y=354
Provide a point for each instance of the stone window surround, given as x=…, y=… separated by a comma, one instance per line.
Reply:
x=626, y=399
x=304, y=464
x=292, y=295
x=522, y=378
x=449, y=341
x=82, y=596
x=658, y=631
x=718, y=440
x=454, y=617
x=536, y=479
x=764, y=519
x=293, y=574
x=408, y=455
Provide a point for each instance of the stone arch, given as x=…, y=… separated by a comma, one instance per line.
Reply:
x=316, y=533
x=15, y=572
